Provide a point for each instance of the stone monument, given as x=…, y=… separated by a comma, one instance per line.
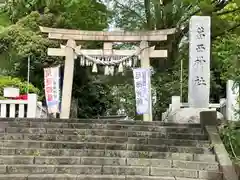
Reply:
x=199, y=62
x=199, y=74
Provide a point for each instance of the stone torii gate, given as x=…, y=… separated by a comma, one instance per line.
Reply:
x=69, y=52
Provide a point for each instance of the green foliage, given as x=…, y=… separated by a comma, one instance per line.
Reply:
x=123, y=98
x=20, y=38
x=93, y=95
x=8, y=81
x=164, y=85
x=94, y=100
x=154, y=14
x=230, y=133
x=167, y=84
x=4, y=20
x=226, y=52
x=84, y=14
x=23, y=39
x=18, y=42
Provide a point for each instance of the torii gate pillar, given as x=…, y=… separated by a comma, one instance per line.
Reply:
x=145, y=63
x=68, y=79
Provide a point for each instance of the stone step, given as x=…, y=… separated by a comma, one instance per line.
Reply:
x=100, y=121
x=96, y=145
x=173, y=129
x=107, y=153
x=86, y=177
x=108, y=170
x=115, y=161
x=104, y=139
x=103, y=132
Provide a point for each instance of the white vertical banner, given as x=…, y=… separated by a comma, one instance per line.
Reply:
x=232, y=105
x=142, y=94
x=199, y=62
x=52, y=89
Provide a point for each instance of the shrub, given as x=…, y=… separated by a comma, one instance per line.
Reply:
x=230, y=134
x=8, y=81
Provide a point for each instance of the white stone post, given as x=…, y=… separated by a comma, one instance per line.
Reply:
x=32, y=106
x=199, y=62
x=223, y=108
x=176, y=103
x=232, y=104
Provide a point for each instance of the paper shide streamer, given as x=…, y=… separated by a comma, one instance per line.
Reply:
x=110, y=63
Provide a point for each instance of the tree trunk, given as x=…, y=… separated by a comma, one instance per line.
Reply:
x=148, y=14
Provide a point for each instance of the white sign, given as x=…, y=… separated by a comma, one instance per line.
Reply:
x=141, y=83
x=11, y=92
x=199, y=63
x=52, y=90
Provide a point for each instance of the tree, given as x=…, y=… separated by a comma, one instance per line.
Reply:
x=22, y=39
x=164, y=14
x=84, y=14
x=226, y=52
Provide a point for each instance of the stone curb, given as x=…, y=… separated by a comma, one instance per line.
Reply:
x=223, y=158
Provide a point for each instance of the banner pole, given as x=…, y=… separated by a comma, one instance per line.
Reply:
x=28, y=75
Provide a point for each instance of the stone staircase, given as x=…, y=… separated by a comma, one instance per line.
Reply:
x=53, y=149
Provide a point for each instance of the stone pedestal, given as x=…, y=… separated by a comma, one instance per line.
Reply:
x=189, y=115
x=208, y=118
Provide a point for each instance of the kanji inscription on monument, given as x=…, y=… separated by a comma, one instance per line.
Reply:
x=199, y=62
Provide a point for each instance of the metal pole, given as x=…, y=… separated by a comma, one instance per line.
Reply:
x=28, y=76
x=181, y=81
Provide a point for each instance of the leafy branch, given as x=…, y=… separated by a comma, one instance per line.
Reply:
x=226, y=31
x=122, y=6
x=228, y=11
